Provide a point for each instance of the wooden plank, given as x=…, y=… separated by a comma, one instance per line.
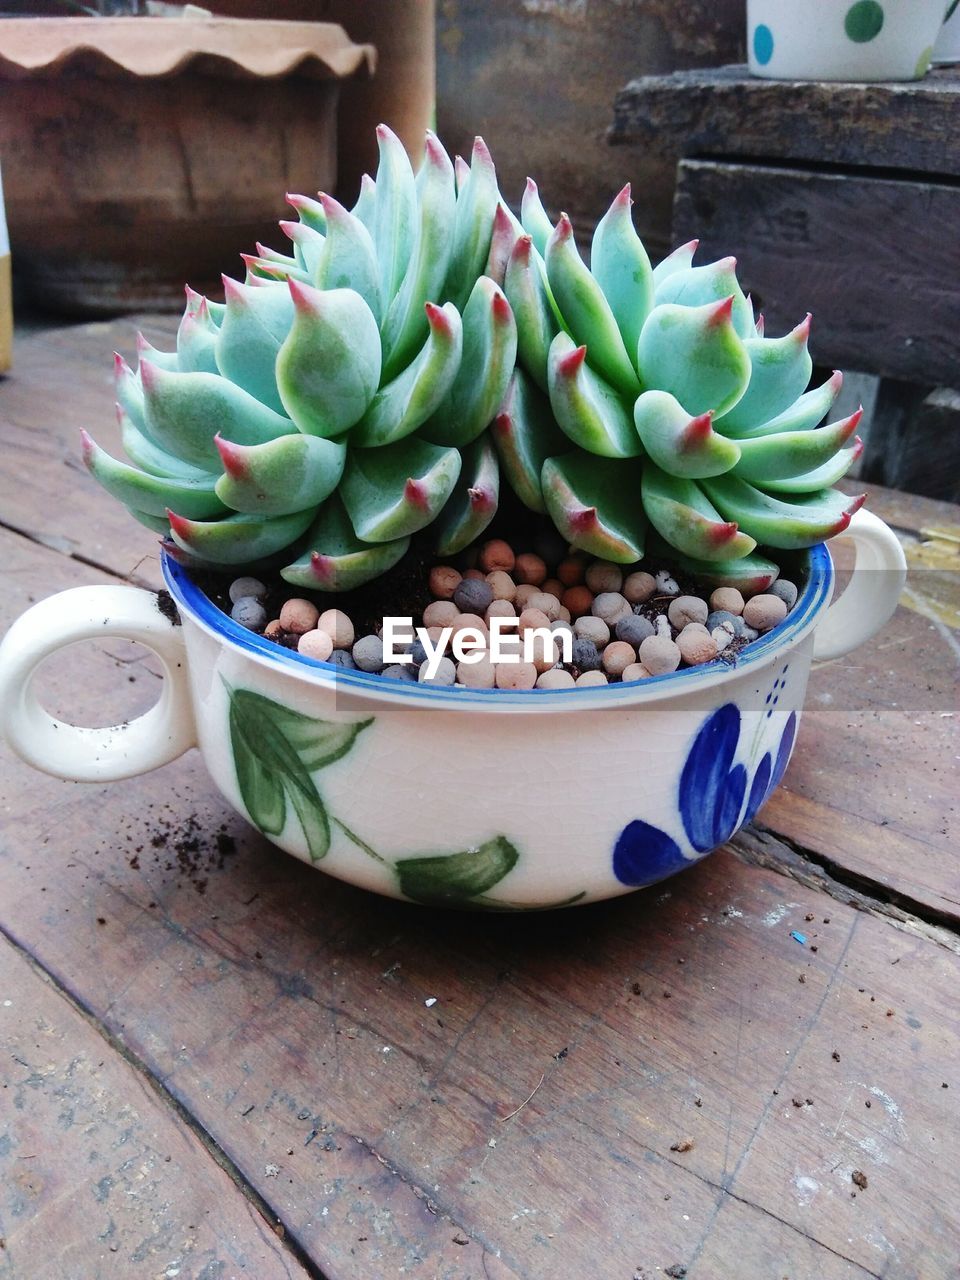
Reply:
x=390, y=1123
x=724, y=111
x=98, y=1176
x=820, y=242
x=918, y=444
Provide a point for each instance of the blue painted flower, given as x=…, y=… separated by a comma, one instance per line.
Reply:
x=710, y=800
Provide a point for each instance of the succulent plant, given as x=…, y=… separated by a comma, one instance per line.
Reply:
x=378, y=379
x=335, y=403
x=651, y=395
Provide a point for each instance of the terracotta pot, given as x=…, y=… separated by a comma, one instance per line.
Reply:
x=140, y=153
x=447, y=796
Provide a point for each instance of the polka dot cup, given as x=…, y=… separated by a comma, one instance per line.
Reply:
x=852, y=40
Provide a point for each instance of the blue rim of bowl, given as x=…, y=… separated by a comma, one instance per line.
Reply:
x=815, y=595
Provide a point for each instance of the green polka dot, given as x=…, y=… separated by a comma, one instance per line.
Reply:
x=923, y=62
x=864, y=21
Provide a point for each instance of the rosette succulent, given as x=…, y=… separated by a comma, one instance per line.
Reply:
x=650, y=396
x=378, y=379
x=336, y=402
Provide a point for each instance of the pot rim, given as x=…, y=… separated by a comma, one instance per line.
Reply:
x=372, y=687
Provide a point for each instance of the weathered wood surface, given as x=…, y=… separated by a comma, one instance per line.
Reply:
x=915, y=437
x=99, y=1175
x=284, y=1013
x=727, y=112
x=875, y=259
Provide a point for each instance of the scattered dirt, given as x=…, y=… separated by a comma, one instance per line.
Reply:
x=684, y=1144
x=168, y=608
x=859, y=1179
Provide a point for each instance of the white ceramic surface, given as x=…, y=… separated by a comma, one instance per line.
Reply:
x=947, y=49
x=462, y=797
x=852, y=40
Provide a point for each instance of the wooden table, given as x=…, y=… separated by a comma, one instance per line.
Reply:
x=216, y=1063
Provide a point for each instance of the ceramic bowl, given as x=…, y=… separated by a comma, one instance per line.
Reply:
x=458, y=797
x=853, y=40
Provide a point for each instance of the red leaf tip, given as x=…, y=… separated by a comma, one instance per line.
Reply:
x=415, y=492
x=501, y=308
x=721, y=312
x=568, y=366
x=584, y=520
x=87, y=447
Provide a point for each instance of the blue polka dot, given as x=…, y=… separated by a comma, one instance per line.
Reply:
x=763, y=44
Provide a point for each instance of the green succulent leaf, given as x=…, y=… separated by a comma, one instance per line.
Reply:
x=525, y=434
x=307, y=246
x=793, y=453
x=395, y=212
x=405, y=404
x=473, y=503
x=506, y=232
x=700, y=286
x=256, y=322
x=280, y=477
x=148, y=493
x=822, y=477
x=489, y=355
x=679, y=444
x=477, y=200
x=695, y=354
x=366, y=207
x=405, y=327
x=272, y=765
x=681, y=259
x=309, y=211
x=335, y=559
x=196, y=337
x=128, y=390
x=588, y=409
x=239, y=539
x=752, y=574
x=685, y=518
x=812, y=407
x=587, y=312
x=167, y=360
x=533, y=217
x=328, y=368
x=790, y=523
x=525, y=286
x=453, y=879
x=348, y=259
x=595, y=504
x=143, y=453
x=394, y=491
x=184, y=411
x=622, y=269
x=780, y=369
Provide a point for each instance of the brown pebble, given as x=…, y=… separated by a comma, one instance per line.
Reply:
x=502, y=585
x=571, y=571
x=530, y=569
x=545, y=653
x=685, y=609
x=516, y=675
x=272, y=629
x=497, y=554
x=470, y=622
x=316, y=644
x=546, y=603
x=440, y=613
x=555, y=678
x=728, y=599
x=444, y=580
x=533, y=618
x=578, y=600
x=553, y=587
x=592, y=678
x=764, y=612
x=611, y=607
x=338, y=627
x=617, y=657
x=476, y=675
x=636, y=671
x=639, y=587
x=501, y=609
x=696, y=646
x=474, y=573
x=659, y=655
x=602, y=576
x=299, y=616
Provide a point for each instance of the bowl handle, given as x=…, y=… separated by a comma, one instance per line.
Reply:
x=872, y=593
x=94, y=755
